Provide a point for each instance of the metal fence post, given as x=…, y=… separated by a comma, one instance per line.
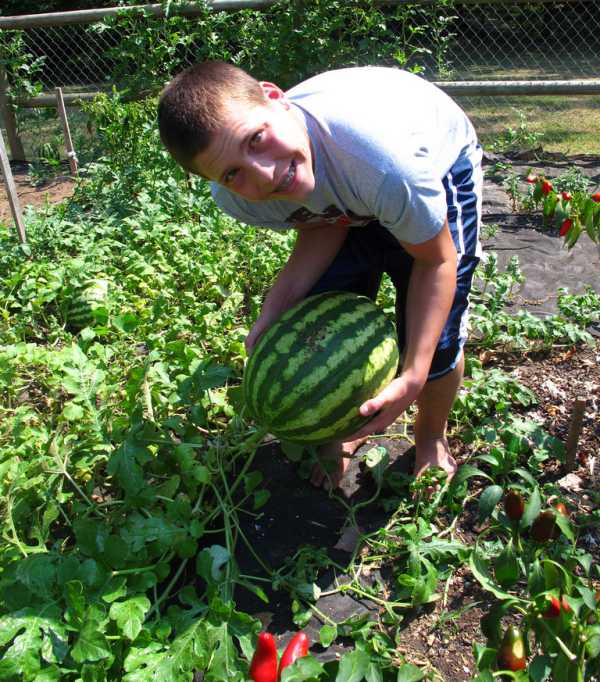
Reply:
x=10, y=120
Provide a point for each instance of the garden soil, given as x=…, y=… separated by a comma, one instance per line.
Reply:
x=439, y=636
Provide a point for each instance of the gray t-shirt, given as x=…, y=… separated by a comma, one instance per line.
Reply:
x=383, y=139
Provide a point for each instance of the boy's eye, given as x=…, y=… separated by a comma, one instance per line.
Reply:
x=229, y=176
x=256, y=138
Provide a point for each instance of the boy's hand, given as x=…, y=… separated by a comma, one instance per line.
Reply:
x=388, y=405
x=260, y=326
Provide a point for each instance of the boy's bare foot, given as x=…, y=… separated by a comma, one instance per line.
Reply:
x=435, y=453
x=337, y=456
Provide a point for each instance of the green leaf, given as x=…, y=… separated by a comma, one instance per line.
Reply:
x=130, y=615
x=73, y=412
x=306, y=669
x=327, y=635
x=261, y=497
x=124, y=467
x=409, y=673
x=374, y=673
x=465, y=472
x=293, y=451
x=532, y=509
x=91, y=645
x=526, y=476
x=488, y=501
x=593, y=642
x=506, y=566
x=480, y=571
x=540, y=668
x=210, y=561
x=93, y=672
x=353, y=666
x=565, y=525
x=377, y=460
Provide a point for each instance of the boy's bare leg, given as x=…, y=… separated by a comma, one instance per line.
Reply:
x=338, y=456
x=434, y=403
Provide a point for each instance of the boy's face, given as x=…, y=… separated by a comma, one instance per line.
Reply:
x=261, y=152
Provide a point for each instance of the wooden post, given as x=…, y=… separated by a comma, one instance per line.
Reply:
x=62, y=112
x=574, y=433
x=10, y=120
x=11, y=190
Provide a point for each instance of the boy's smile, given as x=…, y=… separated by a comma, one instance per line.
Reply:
x=261, y=152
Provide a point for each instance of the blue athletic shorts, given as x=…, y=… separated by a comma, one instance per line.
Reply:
x=370, y=250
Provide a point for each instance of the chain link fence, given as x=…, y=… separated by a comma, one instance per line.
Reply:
x=467, y=41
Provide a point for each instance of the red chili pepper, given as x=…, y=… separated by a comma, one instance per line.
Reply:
x=297, y=647
x=546, y=187
x=553, y=610
x=263, y=667
x=514, y=505
x=531, y=179
x=561, y=508
x=565, y=605
x=596, y=197
x=511, y=654
x=567, y=196
x=565, y=227
x=542, y=529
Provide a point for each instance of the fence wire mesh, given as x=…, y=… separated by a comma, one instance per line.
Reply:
x=464, y=41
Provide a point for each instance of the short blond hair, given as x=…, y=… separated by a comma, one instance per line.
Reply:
x=193, y=105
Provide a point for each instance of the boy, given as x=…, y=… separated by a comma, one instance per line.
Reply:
x=377, y=171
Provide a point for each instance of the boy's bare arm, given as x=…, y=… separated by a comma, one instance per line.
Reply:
x=315, y=248
x=430, y=295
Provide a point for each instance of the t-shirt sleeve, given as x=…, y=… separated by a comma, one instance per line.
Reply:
x=257, y=214
x=411, y=199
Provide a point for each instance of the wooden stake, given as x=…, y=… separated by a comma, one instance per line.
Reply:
x=10, y=120
x=11, y=190
x=574, y=433
x=62, y=112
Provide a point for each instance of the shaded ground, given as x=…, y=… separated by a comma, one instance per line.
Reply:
x=440, y=635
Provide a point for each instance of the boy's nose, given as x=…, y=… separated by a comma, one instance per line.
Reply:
x=263, y=169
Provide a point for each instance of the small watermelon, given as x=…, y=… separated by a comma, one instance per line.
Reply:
x=80, y=310
x=312, y=369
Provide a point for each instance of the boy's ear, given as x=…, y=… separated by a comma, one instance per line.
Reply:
x=273, y=92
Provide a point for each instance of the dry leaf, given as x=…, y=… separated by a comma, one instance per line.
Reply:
x=349, y=539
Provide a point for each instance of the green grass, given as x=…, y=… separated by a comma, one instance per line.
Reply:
x=564, y=124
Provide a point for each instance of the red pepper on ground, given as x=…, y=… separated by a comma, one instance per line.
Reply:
x=531, y=179
x=546, y=187
x=511, y=654
x=263, y=667
x=514, y=505
x=567, y=196
x=596, y=197
x=565, y=227
x=297, y=647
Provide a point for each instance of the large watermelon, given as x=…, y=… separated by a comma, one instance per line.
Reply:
x=80, y=310
x=311, y=370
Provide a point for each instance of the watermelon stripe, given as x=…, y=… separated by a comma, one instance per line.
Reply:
x=264, y=359
x=314, y=376
x=341, y=420
x=359, y=386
